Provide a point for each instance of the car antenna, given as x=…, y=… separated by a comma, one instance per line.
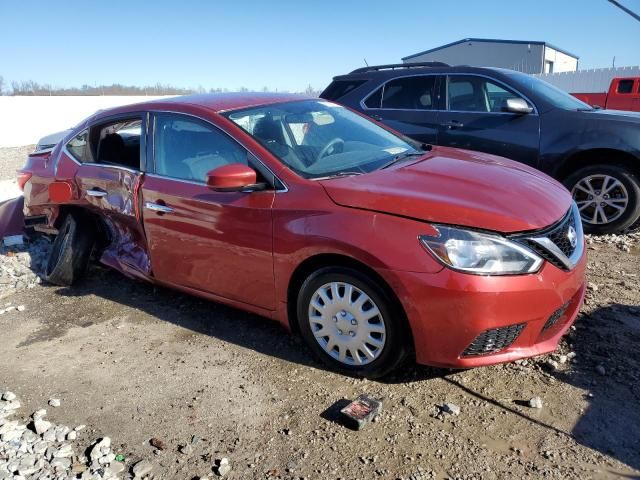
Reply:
x=365, y=62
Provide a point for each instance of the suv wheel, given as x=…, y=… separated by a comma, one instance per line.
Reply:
x=350, y=323
x=607, y=197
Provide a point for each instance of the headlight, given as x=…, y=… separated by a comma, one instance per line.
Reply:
x=480, y=253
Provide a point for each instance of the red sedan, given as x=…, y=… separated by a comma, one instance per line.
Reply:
x=372, y=246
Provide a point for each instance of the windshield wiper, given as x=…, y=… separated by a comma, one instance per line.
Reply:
x=339, y=174
x=400, y=157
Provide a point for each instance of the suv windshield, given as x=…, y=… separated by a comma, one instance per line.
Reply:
x=319, y=139
x=558, y=98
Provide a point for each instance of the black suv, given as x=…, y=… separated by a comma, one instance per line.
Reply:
x=595, y=153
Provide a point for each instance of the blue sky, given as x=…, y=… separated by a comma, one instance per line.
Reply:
x=281, y=44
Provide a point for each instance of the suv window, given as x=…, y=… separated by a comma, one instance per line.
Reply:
x=411, y=93
x=79, y=149
x=476, y=94
x=625, y=86
x=375, y=99
x=117, y=142
x=339, y=88
x=188, y=149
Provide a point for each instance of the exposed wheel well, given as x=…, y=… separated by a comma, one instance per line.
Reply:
x=101, y=232
x=596, y=156
x=316, y=262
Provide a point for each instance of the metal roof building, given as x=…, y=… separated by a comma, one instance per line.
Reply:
x=521, y=55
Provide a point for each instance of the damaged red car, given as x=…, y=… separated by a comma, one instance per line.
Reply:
x=375, y=248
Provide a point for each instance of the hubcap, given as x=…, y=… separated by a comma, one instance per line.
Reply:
x=347, y=323
x=601, y=199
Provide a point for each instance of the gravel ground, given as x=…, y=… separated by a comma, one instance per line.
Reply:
x=197, y=389
x=11, y=159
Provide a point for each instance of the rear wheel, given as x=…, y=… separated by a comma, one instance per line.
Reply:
x=608, y=197
x=351, y=323
x=70, y=252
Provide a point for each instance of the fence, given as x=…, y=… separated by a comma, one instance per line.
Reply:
x=588, y=81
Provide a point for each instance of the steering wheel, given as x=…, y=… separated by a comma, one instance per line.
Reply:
x=329, y=147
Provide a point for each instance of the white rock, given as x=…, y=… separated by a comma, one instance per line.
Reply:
x=21, y=308
x=41, y=426
x=142, y=468
x=54, y=402
x=65, y=451
x=535, y=402
x=451, y=409
x=101, y=448
x=8, y=396
x=39, y=414
x=72, y=435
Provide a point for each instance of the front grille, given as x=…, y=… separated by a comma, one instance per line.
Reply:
x=494, y=340
x=560, y=236
x=546, y=254
x=555, y=316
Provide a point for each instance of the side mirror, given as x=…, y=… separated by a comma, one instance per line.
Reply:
x=233, y=177
x=516, y=105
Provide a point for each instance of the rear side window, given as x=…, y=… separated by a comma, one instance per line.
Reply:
x=339, y=88
x=625, y=86
x=411, y=93
x=187, y=149
x=375, y=99
x=79, y=149
x=118, y=142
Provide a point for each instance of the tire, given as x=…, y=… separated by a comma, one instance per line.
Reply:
x=625, y=183
x=390, y=325
x=70, y=251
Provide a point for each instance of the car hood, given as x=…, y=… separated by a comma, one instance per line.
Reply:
x=458, y=187
x=620, y=115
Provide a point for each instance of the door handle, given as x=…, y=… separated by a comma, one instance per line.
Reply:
x=452, y=124
x=156, y=207
x=96, y=192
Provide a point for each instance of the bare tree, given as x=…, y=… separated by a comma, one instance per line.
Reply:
x=1, y=84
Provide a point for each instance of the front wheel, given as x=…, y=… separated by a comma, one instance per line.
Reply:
x=608, y=197
x=351, y=323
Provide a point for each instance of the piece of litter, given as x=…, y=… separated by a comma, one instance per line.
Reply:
x=362, y=410
x=11, y=240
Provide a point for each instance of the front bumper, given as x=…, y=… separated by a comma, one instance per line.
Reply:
x=448, y=310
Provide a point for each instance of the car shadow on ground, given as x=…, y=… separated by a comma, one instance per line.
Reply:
x=607, y=368
x=607, y=338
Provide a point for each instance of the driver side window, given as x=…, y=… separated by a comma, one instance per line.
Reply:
x=476, y=94
x=186, y=148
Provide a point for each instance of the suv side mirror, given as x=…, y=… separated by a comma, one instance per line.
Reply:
x=516, y=105
x=234, y=177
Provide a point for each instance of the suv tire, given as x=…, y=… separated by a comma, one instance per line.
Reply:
x=619, y=182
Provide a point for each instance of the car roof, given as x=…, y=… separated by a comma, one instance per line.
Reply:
x=401, y=70
x=216, y=102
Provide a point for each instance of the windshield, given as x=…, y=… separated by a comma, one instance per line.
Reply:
x=558, y=98
x=319, y=139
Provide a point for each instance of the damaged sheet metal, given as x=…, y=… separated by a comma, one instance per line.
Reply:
x=11, y=217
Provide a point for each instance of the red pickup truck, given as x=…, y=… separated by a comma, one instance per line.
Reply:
x=623, y=94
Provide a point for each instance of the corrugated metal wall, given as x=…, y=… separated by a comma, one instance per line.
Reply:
x=525, y=58
x=588, y=81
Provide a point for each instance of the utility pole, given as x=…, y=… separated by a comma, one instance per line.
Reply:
x=625, y=9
